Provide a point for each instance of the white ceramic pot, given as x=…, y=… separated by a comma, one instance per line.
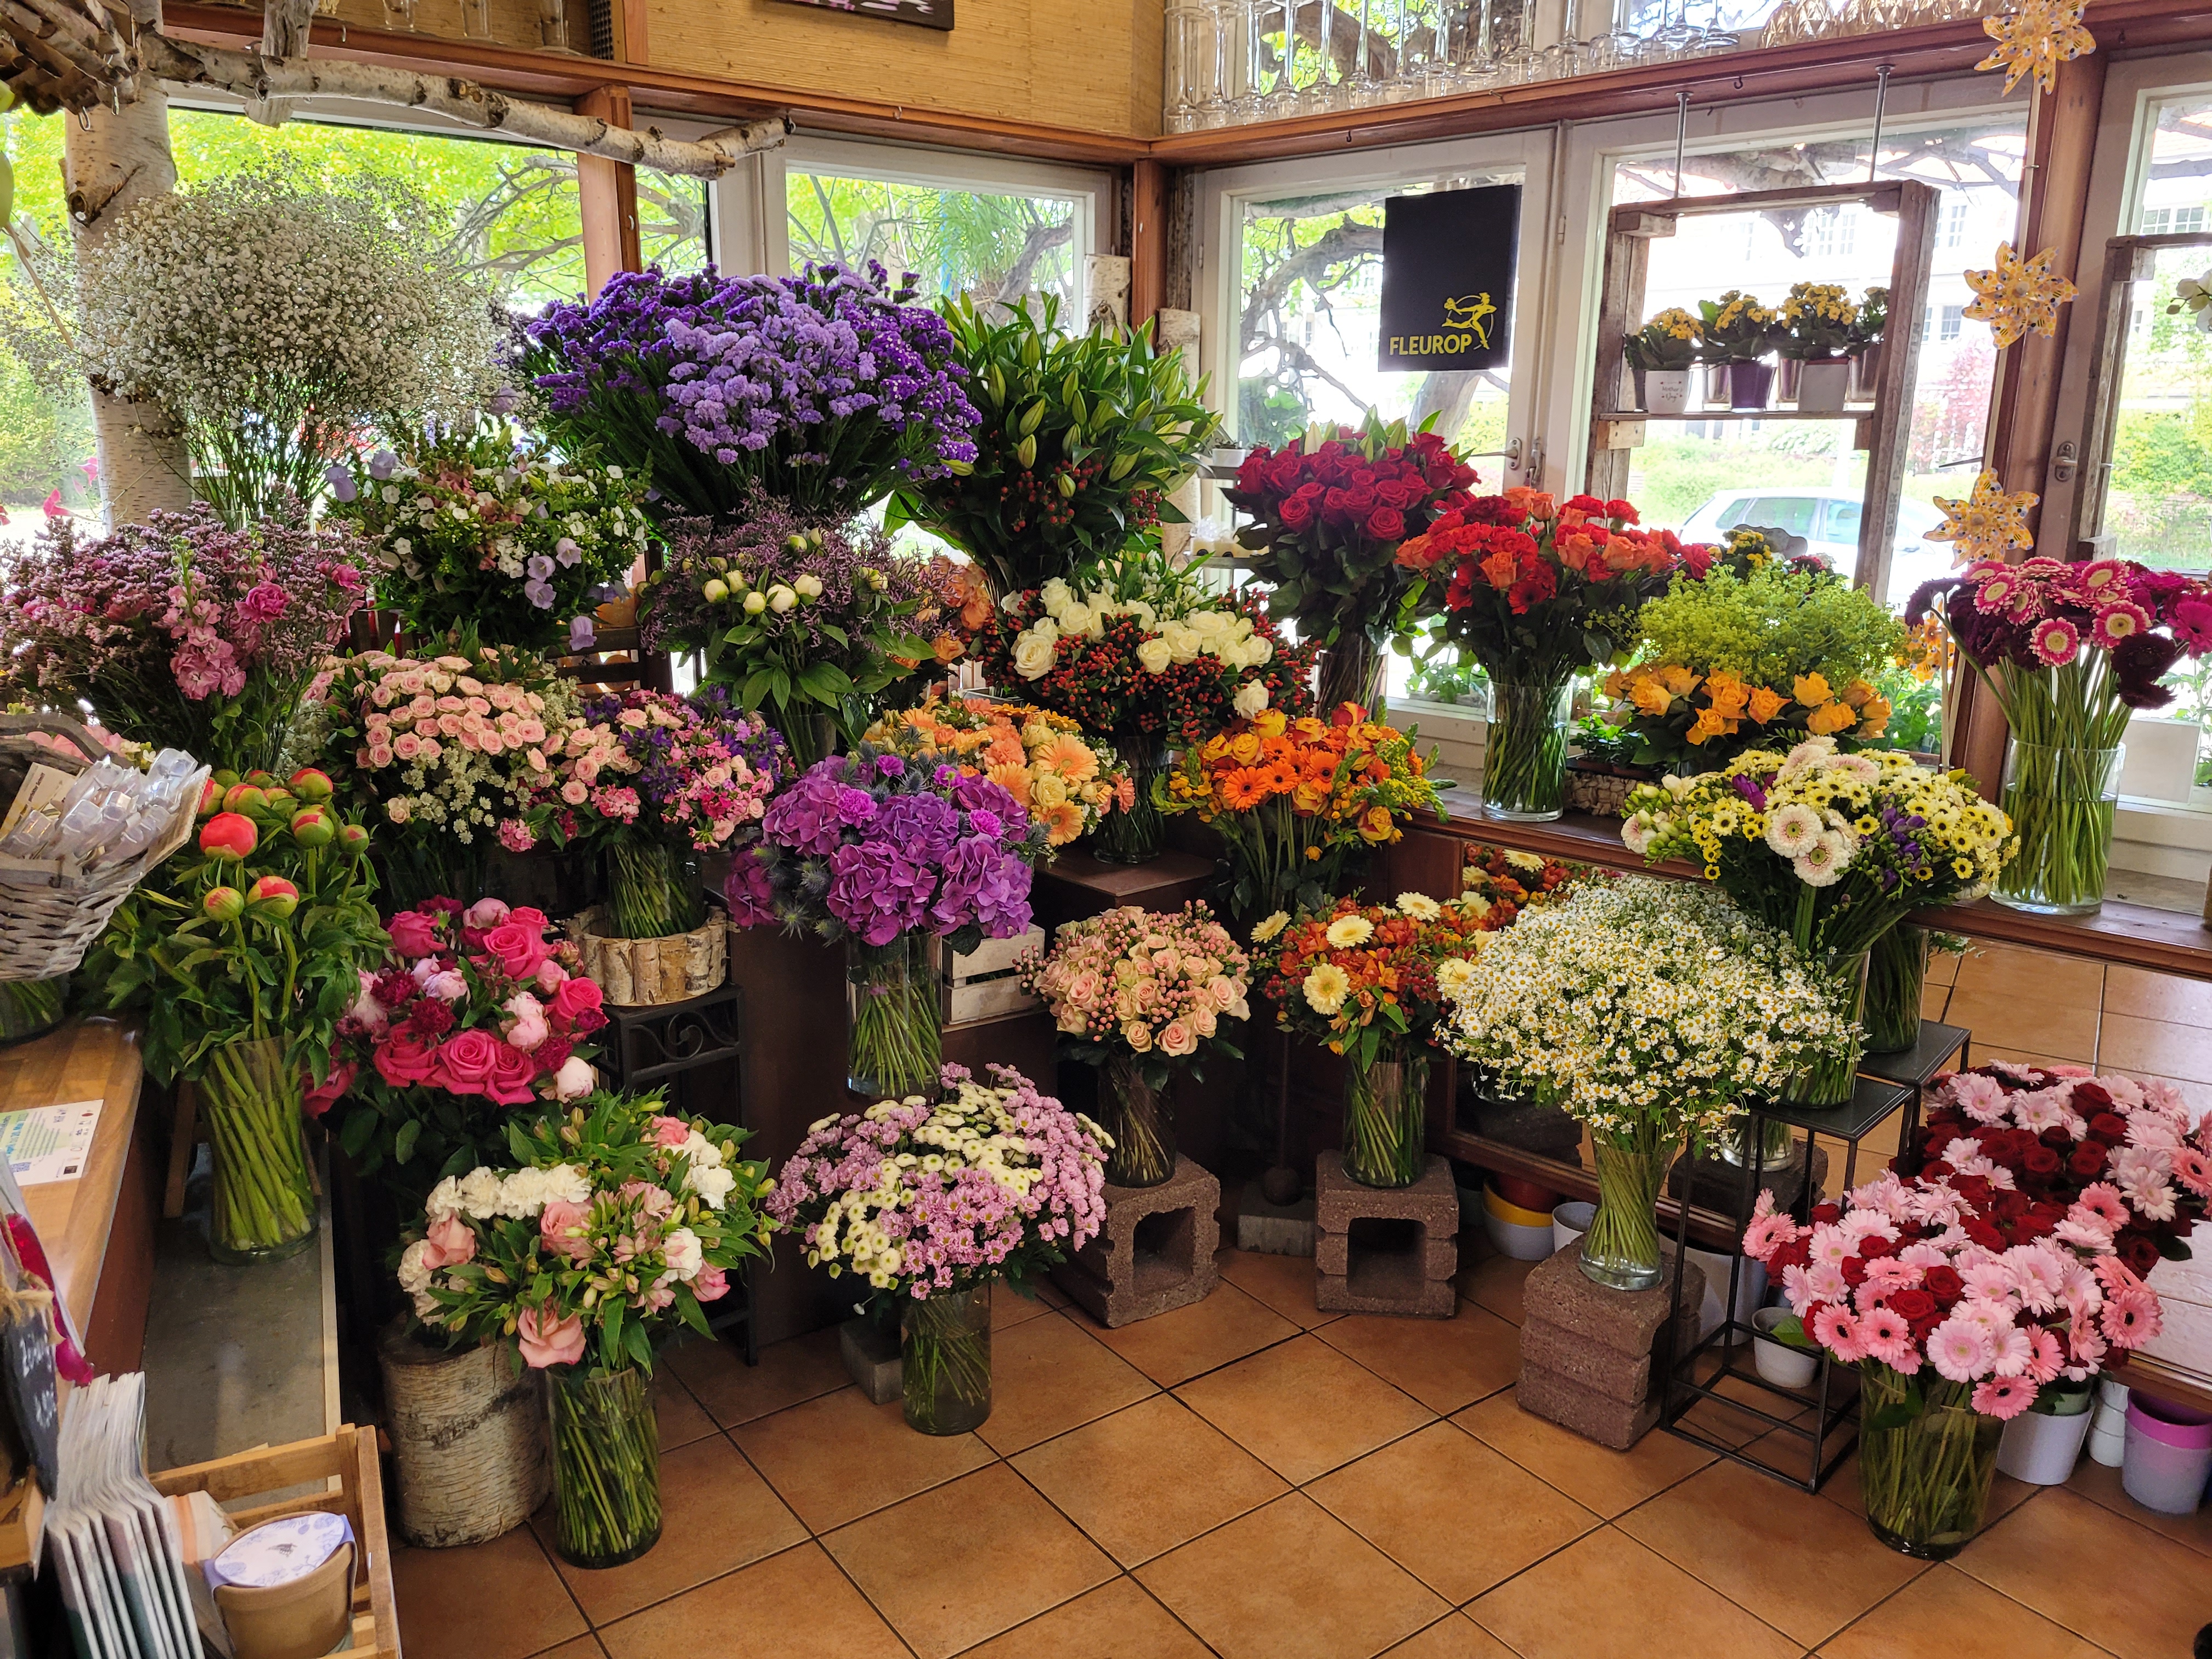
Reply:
x=1823, y=384
x=1784, y=1366
x=2041, y=1448
x=1569, y=1223
x=1666, y=391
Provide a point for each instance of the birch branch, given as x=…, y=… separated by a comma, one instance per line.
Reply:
x=259, y=80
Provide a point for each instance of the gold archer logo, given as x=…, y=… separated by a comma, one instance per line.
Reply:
x=1473, y=312
x=1468, y=322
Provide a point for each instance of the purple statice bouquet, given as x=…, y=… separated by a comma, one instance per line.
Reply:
x=827, y=390
x=182, y=632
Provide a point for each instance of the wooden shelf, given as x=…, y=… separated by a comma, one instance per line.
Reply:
x=1738, y=415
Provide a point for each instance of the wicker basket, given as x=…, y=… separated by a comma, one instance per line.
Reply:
x=50, y=911
x=645, y=973
x=1601, y=790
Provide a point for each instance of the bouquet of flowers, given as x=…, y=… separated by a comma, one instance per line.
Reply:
x=1137, y=994
x=445, y=749
x=1069, y=783
x=648, y=776
x=180, y=633
x=1295, y=798
x=474, y=1012
x=1332, y=507
x=1536, y=593
x=1832, y=849
x=827, y=390
x=1081, y=439
x=2070, y=652
x=811, y=626
x=1793, y=652
x=242, y=958
x=930, y=1203
x=1648, y=1009
x=890, y=857
x=619, y=1224
x=476, y=529
x=1509, y=881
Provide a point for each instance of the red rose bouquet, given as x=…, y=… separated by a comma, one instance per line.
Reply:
x=474, y=1013
x=1332, y=509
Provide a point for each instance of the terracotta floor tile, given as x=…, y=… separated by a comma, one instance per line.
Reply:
x=1494, y=1283
x=1048, y=1375
x=734, y=1392
x=1443, y=1363
x=1117, y=1621
x=1185, y=1342
x=1148, y=1478
x=2134, y=1591
x=584, y=1647
x=2100, y=1484
x=1934, y=999
x=1010, y=1307
x=2039, y=974
x=1302, y=1408
x=1943, y=968
x=1411, y=1500
x=1735, y=1530
x=445, y=1612
x=836, y=1458
x=1609, y=1595
x=1456, y=1637
x=2148, y=995
x=1944, y=1613
x=2046, y=1024
x=1290, y=1582
x=716, y=1516
x=793, y=1605
x=1594, y=1476
x=955, y=1567
x=2133, y=1044
x=682, y=1419
x=1285, y=1283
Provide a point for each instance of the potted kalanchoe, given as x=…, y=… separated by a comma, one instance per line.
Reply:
x=1818, y=325
x=1740, y=333
x=1661, y=355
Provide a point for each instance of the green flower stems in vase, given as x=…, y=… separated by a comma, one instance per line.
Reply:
x=2061, y=800
x=944, y=1356
x=264, y=1206
x=1926, y=1461
x=895, y=1016
x=1524, y=761
x=1830, y=1081
x=1385, y=1116
x=1134, y=836
x=650, y=892
x=1897, y=975
x=1269, y=867
x=606, y=1465
x=1621, y=1249
x=1141, y=1120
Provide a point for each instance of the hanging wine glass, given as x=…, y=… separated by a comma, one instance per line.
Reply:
x=1232, y=66
x=1282, y=16
x=1176, y=112
x=1252, y=103
x=1518, y=60
x=1566, y=56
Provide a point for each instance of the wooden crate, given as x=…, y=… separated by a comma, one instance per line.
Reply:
x=348, y=1453
x=983, y=985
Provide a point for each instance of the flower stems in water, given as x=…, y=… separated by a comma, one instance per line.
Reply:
x=944, y=1355
x=606, y=1465
x=1385, y=1119
x=893, y=1041
x=649, y=893
x=1926, y=1459
x=1524, y=767
x=263, y=1201
x=1621, y=1249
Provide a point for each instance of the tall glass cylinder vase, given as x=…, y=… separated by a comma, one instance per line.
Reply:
x=606, y=1465
x=1926, y=1461
x=895, y=997
x=1524, y=757
x=1351, y=671
x=263, y=1202
x=1135, y=835
x=1897, y=975
x=1140, y=1119
x=1773, y=1147
x=1386, y=1115
x=1830, y=1082
x=944, y=1360
x=653, y=890
x=2060, y=801
x=1621, y=1249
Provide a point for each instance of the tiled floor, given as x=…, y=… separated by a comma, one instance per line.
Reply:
x=1251, y=1477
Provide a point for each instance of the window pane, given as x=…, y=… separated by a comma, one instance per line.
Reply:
x=46, y=415
x=672, y=221
x=992, y=245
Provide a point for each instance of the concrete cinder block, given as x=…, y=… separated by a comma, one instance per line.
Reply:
x=1559, y=1293
x=1551, y=1347
x=1155, y=1252
x=1385, y=1249
x=1595, y=1359
x=871, y=1354
x=1594, y=1416
x=1439, y=1256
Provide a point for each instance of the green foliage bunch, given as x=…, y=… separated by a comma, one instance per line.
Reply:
x=1770, y=625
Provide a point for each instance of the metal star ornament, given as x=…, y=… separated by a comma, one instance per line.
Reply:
x=2034, y=38
x=2018, y=296
x=1988, y=524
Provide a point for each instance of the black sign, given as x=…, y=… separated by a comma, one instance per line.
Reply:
x=930, y=14
x=1447, y=265
x=27, y=1354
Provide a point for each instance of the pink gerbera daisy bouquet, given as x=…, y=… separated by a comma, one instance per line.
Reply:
x=2070, y=652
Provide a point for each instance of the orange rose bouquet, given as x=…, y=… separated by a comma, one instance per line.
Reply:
x=1069, y=782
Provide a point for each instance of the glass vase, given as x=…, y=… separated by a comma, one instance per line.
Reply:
x=945, y=1360
x=1351, y=671
x=2061, y=801
x=1926, y=1461
x=1829, y=1083
x=653, y=890
x=1621, y=1249
x=31, y=1007
x=1134, y=836
x=1141, y=1120
x=1897, y=974
x=1524, y=758
x=1775, y=1147
x=1386, y=1104
x=262, y=1207
x=895, y=997
x=606, y=1465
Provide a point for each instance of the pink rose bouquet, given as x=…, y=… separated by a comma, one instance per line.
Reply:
x=475, y=1014
x=1141, y=996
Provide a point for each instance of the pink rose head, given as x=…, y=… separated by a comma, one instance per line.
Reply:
x=711, y=1286
x=515, y=949
x=1179, y=1039
x=452, y=1242
x=513, y=1074
x=528, y=915
x=670, y=1131
x=486, y=913
x=327, y=1093
x=547, y=1341
x=413, y=933
x=465, y=1061
x=575, y=1079
x=527, y=1027
x=551, y=975
x=558, y=1221
x=575, y=995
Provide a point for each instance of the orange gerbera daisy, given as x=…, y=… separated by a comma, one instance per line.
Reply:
x=1280, y=777
x=1013, y=778
x=1071, y=757
x=1063, y=823
x=1243, y=789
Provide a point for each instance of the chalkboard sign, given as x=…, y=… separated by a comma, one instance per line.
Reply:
x=929, y=14
x=1447, y=265
x=26, y=1359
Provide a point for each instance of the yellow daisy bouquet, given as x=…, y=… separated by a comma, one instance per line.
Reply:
x=1067, y=781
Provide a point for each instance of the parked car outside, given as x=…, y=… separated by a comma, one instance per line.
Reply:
x=1828, y=520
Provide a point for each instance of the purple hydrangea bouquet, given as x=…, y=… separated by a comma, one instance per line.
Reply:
x=930, y=1204
x=827, y=390
x=181, y=632
x=652, y=778
x=892, y=857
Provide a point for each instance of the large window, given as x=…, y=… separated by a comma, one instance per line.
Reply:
x=46, y=417
x=992, y=245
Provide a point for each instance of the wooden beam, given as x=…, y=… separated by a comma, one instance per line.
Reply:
x=636, y=40
x=1148, y=240
x=607, y=193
